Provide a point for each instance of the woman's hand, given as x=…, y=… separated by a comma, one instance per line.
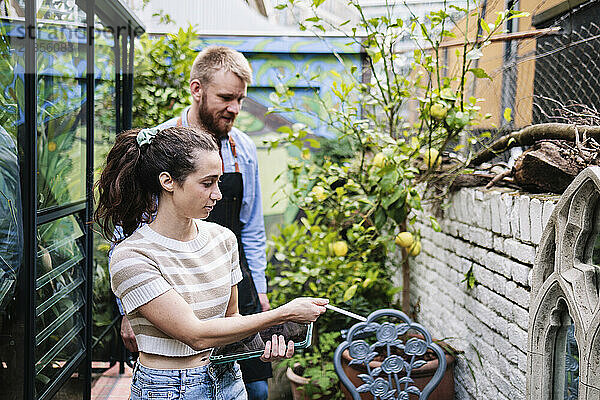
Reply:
x=304, y=309
x=275, y=349
x=128, y=335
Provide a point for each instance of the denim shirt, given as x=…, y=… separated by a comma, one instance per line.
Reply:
x=251, y=215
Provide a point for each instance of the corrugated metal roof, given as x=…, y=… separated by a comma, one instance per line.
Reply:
x=222, y=17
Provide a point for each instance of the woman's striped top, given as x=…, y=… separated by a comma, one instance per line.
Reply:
x=202, y=271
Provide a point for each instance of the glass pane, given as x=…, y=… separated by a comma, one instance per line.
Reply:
x=566, y=362
x=60, y=10
x=104, y=306
x=105, y=114
x=596, y=251
x=571, y=365
x=60, y=288
x=61, y=67
x=12, y=101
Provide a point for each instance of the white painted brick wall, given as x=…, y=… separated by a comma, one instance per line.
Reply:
x=495, y=232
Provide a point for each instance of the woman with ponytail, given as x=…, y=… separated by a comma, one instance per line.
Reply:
x=176, y=274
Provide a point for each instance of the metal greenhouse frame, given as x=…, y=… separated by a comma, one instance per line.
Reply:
x=67, y=347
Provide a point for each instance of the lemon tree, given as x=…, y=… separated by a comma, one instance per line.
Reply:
x=360, y=203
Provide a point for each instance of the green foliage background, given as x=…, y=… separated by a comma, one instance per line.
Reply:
x=162, y=70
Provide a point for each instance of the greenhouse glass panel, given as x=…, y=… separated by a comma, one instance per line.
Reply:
x=11, y=119
x=60, y=293
x=61, y=71
x=12, y=338
x=105, y=113
x=105, y=117
x=60, y=11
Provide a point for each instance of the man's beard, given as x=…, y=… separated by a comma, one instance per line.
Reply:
x=208, y=121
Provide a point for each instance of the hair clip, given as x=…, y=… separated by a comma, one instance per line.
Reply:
x=146, y=135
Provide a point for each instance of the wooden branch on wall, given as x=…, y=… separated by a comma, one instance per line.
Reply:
x=529, y=135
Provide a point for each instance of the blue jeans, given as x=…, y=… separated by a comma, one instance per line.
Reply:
x=257, y=390
x=211, y=382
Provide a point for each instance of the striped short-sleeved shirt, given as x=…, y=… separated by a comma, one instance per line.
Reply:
x=202, y=271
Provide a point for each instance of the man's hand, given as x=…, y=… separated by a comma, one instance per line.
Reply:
x=128, y=335
x=264, y=301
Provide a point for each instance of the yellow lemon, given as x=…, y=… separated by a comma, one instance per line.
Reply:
x=415, y=250
x=340, y=248
x=404, y=239
x=379, y=160
x=431, y=157
x=51, y=146
x=319, y=193
x=438, y=111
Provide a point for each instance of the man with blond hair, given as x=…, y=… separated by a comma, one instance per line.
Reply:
x=219, y=79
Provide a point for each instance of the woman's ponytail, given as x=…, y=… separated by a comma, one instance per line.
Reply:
x=122, y=201
x=128, y=188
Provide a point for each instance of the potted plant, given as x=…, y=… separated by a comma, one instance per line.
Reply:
x=311, y=372
x=312, y=258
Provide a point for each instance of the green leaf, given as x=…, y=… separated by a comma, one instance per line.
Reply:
x=470, y=279
x=417, y=54
x=317, y=3
x=314, y=143
x=434, y=224
x=457, y=8
x=389, y=180
x=507, y=114
x=447, y=94
x=398, y=210
x=480, y=73
x=388, y=200
x=285, y=129
x=484, y=25
x=474, y=54
x=462, y=118
x=280, y=6
x=499, y=18
x=380, y=218
x=350, y=292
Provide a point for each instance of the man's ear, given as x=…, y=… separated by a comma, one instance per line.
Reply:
x=196, y=90
x=166, y=181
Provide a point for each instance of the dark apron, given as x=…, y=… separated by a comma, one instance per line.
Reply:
x=227, y=213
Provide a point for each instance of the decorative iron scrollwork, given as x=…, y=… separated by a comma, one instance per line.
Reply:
x=401, y=352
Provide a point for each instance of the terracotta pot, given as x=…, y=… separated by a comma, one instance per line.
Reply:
x=421, y=376
x=297, y=381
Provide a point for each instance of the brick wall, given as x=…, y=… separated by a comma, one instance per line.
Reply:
x=496, y=233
